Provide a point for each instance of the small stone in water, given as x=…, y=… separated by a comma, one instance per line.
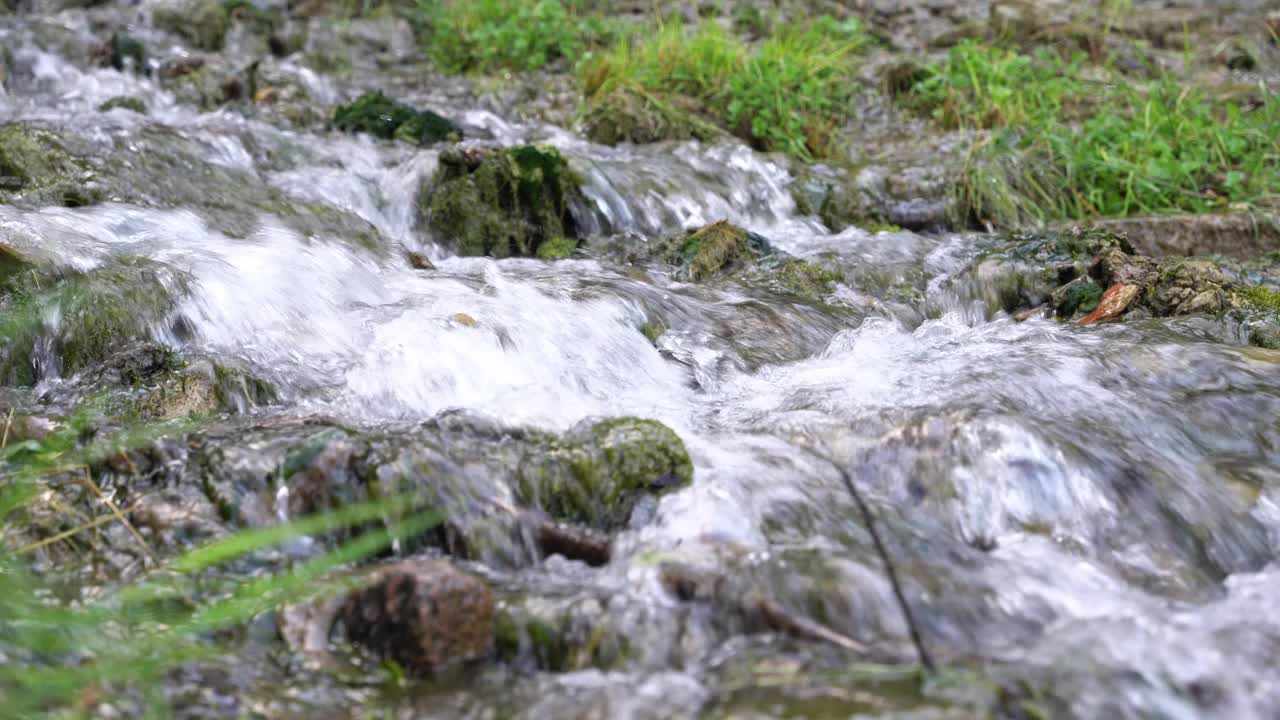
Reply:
x=422, y=613
x=418, y=261
x=464, y=319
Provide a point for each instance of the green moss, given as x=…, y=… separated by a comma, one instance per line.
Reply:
x=84, y=318
x=1266, y=338
x=202, y=22
x=1261, y=298
x=1079, y=296
x=380, y=116
x=521, y=636
x=595, y=475
x=501, y=202
x=653, y=331
x=127, y=52
x=126, y=102
x=36, y=169
x=12, y=267
x=806, y=279
x=710, y=249
x=557, y=249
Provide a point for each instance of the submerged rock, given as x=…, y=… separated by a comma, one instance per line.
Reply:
x=380, y=116
x=205, y=81
x=502, y=202
x=424, y=614
x=36, y=169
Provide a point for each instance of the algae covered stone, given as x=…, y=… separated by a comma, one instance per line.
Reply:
x=84, y=318
x=125, y=52
x=502, y=202
x=595, y=475
x=36, y=169
x=380, y=116
x=712, y=250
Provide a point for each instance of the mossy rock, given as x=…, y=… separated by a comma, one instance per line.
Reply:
x=806, y=279
x=1025, y=270
x=1078, y=297
x=380, y=116
x=13, y=265
x=595, y=475
x=36, y=169
x=1073, y=270
x=828, y=194
x=633, y=116
x=1185, y=286
x=502, y=202
x=125, y=52
x=712, y=250
x=84, y=319
x=123, y=101
x=203, y=388
x=202, y=22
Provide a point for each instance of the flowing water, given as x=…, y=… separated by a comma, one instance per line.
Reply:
x=1095, y=508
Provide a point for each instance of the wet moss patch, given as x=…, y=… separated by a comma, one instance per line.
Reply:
x=125, y=52
x=595, y=474
x=502, y=202
x=36, y=169
x=380, y=116
x=123, y=101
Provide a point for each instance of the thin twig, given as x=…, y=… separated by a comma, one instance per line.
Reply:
x=115, y=511
x=926, y=661
x=4, y=441
x=100, y=520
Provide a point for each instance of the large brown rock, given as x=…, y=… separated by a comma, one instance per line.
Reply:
x=422, y=613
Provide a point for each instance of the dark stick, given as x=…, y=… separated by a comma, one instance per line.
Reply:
x=926, y=661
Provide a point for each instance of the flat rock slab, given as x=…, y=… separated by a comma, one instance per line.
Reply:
x=1238, y=235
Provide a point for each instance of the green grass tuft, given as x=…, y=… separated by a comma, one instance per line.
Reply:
x=1064, y=145
x=486, y=35
x=786, y=94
